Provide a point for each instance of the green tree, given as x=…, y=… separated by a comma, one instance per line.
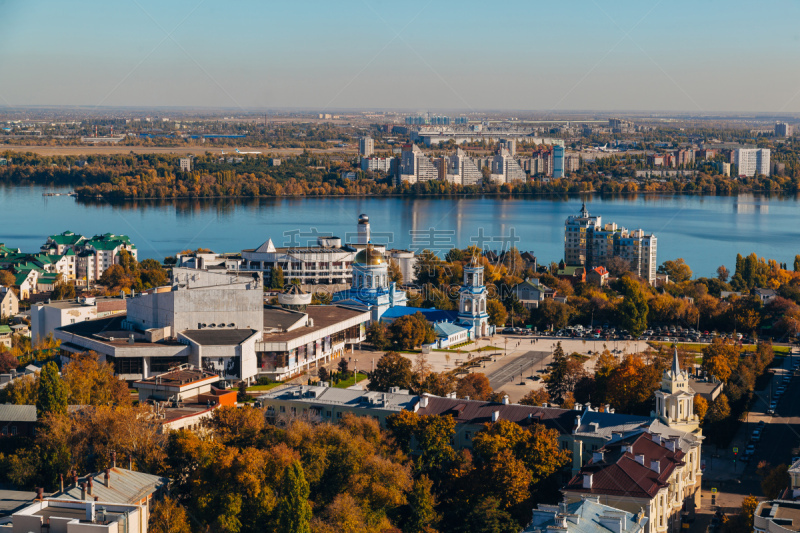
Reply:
x=410, y=331
x=422, y=516
x=294, y=511
x=678, y=271
x=497, y=312
x=52, y=393
x=489, y=517
x=564, y=373
x=773, y=480
x=553, y=313
x=378, y=335
x=392, y=370
x=276, y=278
x=63, y=291
x=633, y=309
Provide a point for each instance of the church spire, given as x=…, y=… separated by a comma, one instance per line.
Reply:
x=584, y=212
x=676, y=364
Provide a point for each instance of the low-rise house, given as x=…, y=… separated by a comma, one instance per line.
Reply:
x=765, y=295
x=597, y=276
x=573, y=274
x=17, y=420
x=320, y=402
x=5, y=336
x=641, y=472
x=585, y=516
x=25, y=282
x=9, y=302
x=532, y=292
x=185, y=397
x=449, y=334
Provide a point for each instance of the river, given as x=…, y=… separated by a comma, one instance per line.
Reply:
x=706, y=231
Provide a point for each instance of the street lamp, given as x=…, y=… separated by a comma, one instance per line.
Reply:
x=355, y=373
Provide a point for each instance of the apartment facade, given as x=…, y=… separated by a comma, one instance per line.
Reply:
x=366, y=146
x=752, y=161
x=589, y=243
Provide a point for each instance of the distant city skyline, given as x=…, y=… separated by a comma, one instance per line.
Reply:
x=635, y=56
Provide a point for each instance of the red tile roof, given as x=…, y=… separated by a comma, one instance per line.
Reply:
x=620, y=474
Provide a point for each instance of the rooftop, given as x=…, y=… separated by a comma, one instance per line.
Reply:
x=432, y=315
x=218, y=337
x=350, y=397
x=181, y=377
x=585, y=516
x=323, y=316
x=127, y=486
x=618, y=471
x=74, y=303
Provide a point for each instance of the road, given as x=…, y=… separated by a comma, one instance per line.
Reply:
x=515, y=367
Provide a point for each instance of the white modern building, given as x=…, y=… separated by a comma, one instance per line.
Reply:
x=210, y=320
x=415, y=166
x=752, y=161
x=462, y=170
x=377, y=164
x=506, y=169
x=366, y=146
x=48, y=316
x=589, y=243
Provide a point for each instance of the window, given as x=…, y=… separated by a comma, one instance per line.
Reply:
x=5, y=430
x=565, y=445
x=328, y=414
x=13, y=430
x=283, y=409
x=294, y=410
x=127, y=365
x=338, y=414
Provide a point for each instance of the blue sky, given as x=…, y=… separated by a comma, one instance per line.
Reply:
x=672, y=55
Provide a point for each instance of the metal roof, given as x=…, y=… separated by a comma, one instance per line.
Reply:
x=17, y=413
x=127, y=486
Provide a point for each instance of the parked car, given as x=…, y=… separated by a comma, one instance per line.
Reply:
x=750, y=450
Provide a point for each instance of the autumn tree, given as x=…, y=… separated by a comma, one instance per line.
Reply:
x=677, y=270
x=168, y=516
x=391, y=370
x=475, y=385
x=52, y=393
x=91, y=382
x=238, y=426
x=723, y=274
x=773, y=480
x=720, y=358
x=536, y=397
x=719, y=409
x=497, y=312
x=410, y=331
x=395, y=274
x=7, y=278
x=378, y=335
x=294, y=511
x=631, y=385
x=7, y=361
x=700, y=406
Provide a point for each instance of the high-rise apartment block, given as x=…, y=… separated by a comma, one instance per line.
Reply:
x=506, y=169
x=377, y=164
x=415, y=166
x=783, y=129
x=752, y=161
x=589, y=243
x=366, y=146
x=462, y=170
x=558, y=161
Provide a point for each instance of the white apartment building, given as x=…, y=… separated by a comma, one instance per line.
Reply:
x=506, y=169
x=589, y=243
x=366, y=146
x=462, y=170
x=752, y=161
x=416, y=166
x=377, y=164
x=185, y=164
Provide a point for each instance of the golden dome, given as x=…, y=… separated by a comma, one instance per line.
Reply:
x=369, y=256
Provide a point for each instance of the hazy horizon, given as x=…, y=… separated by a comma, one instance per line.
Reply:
x=587, y=57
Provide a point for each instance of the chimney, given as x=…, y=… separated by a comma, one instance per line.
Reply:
x=640, y=459
x=130, y=461
x=423, y=401
x=39, y=493
x=61, y=479
x=597, y=457
x=90, y=484
x=657, y=439
x=655, y=466
x=466, y=397
x=607, y=408
x=74, y=479
x=90, y=512
x=107, y=478
x=544, y=404
x=113, y=459
x=83, y=490
x=495, y=416
x=97, y=498
x=587, y=481
x=505, y=399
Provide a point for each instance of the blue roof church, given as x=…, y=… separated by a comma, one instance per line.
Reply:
x=371, y=287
